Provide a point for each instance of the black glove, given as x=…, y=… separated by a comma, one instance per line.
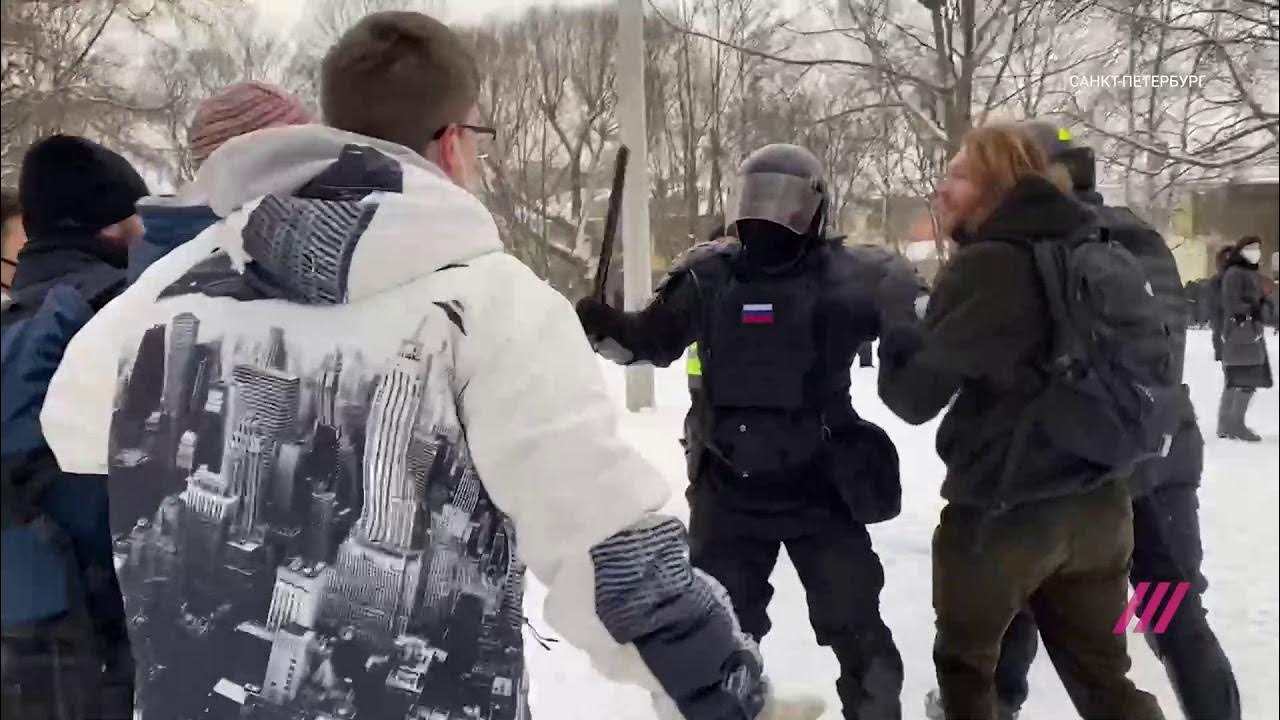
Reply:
x=899, y=344
x=598, y=319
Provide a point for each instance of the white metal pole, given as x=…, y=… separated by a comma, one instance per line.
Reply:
x=636, y=254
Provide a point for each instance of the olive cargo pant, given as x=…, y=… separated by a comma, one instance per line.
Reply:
x=1068, y=560
x=1166, y=527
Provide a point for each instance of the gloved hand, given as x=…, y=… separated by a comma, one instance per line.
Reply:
x=899, y=344
x=597, y=318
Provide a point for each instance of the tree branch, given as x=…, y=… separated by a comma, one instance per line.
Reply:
x=801, y=62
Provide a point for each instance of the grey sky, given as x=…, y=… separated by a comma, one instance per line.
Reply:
x=284, y=14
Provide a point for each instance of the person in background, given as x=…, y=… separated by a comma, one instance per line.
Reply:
x=12, y=238
x=349, y=369
x=236, y=110
x=1271, y=306
x=1167, y=546
x=66, y=650
x=1027, y=523
x=1213, y=299
x=1246, y=365
x=1195, y=303
x=778, y=455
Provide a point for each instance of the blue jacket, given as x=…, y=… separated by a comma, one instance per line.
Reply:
x=58, y=287
x=168, y=226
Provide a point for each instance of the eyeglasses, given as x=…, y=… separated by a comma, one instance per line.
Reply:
x=487, y=133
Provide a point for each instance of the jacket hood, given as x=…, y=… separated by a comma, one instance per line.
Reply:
x=330, y=216
x=59, y=256
x=1035, y=209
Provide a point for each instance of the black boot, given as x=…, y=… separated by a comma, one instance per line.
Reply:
x=1226, y=410
x=1242, y=409
x=1237, y=408
x=870, y=688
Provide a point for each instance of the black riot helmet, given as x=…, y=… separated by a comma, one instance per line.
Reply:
x=784, y=185
x=1059, y=148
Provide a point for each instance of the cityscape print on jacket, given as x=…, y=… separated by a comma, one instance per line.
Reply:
x=300, y=531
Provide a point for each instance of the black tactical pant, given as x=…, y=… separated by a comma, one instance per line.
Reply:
x=1166, y=548
x=1065, y=559
x=842, y=578
x=865, y=355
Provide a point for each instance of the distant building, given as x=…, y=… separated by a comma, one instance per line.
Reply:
x=390, y=493
x=298, y=595
x=250, y=458
x=289, y=665
x=322, y=516
x=1222, y=214
x=371, y=588
x=183, y=331
x=314, y=255
x=273, y=395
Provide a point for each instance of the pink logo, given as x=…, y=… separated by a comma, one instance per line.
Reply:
x=1153, y=606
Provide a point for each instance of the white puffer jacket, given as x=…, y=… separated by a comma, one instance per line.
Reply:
x=334, y=416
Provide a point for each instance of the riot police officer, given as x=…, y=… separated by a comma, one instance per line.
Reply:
x=778, y=456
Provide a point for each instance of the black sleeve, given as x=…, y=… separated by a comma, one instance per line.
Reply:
x=984, y=320
x=657, y=334
x=913, y=390
x=896, y=297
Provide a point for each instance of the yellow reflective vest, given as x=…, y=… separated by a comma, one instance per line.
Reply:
x=692, y=363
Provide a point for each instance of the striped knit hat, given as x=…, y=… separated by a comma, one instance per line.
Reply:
x=238, y=110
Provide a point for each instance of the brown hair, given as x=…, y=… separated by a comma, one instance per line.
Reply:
x=398, y=76
x=1222, y=256
x=1001, y=155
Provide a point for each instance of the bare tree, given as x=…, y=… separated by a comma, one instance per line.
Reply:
x=179, y=74
x=61, y=72
x=942, y=67
x=530, y=98
x=328, y=20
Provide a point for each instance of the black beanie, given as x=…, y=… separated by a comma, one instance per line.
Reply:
x=1058, y=147
x=70, y=183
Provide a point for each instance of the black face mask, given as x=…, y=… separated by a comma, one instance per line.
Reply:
x=770, y=247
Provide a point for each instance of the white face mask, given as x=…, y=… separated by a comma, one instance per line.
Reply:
x=1253, y=254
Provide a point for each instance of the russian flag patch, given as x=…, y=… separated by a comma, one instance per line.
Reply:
x=757, y=314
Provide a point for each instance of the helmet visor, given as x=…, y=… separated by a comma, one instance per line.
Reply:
x=785, y=200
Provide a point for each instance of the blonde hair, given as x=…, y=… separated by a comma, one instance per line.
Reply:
x=1001, y=155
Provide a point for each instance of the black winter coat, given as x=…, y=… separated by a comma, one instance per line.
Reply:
x=1243, y=314
x=81, y=261
x=981, y=348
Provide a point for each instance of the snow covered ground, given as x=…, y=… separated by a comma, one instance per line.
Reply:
x=1239, y=498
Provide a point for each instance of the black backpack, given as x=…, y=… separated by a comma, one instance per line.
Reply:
x=1113, y=397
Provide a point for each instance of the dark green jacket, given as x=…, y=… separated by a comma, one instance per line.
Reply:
x=981, y=346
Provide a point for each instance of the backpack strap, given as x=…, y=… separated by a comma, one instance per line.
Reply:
x=1065, y=349
x=1050, y=261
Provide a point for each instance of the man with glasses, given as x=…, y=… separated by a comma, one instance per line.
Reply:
x=345, y=420
x=477, y=141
